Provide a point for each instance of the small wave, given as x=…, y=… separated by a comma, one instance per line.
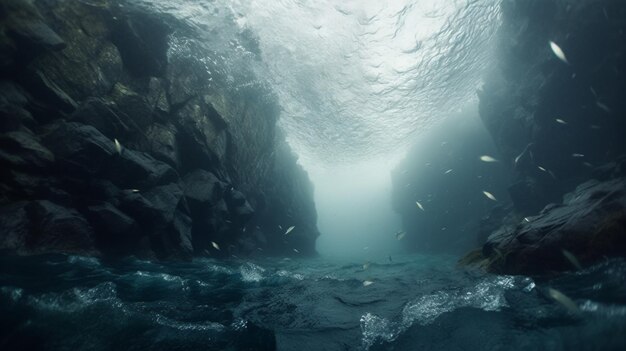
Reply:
x=77, y=298
x=603, y=310
x=207, y=326
x=13, y=293
x=487, y=295
x=251, y=272
x=83, y=260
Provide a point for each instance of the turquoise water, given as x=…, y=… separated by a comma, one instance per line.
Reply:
x=63, y=302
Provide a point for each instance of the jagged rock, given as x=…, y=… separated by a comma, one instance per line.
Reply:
x=142, y=40
x=171, y=237
x=49, y=92
x=90, y=64
x=97, y=72
x=590, y=224
x=203, y=135
x=133, y=105
x=131, y=169
x=116, y=232
x=203, y=187
x=162, y=143
x=204, y=193
x=79, y=148
x=102, y=115
x=157, y=96
x=58, y=229
x=21, y=149
x=14, y=227
x=24, y=34
x=544, y=113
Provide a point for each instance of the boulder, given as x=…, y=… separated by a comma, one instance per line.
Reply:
x=202, y=187
x=22, y=149
x=590, y=224
x=171, y=233
x=116, y=233
x=14, y=227
x=79, y=148
x=162, y=143
x=132, y=169
x=104, y=116
x=54, y=228
x=24, y=34
x=142, y=40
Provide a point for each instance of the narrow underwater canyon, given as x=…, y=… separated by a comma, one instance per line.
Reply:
x=333, y=175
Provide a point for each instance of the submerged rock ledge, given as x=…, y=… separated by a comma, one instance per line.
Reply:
x=111, y=147
x=559, y=123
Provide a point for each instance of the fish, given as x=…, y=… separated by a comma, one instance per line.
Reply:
x=215, y=245
x=296, y=251
x=289, y=229
x=419, y=205
x=578, y=155
x=564, y=300
x=244, y=229
x=367, y=282
x=279, y=227
x=572, y=259
x=400, y=234
x=604, y=107
x=487, y=158
x=366, y=265
x=118, y=146
x=558, y=52
x=542, y=169
x=448, y=171
x=489, y=195
x=558, y=120
x=526, y=220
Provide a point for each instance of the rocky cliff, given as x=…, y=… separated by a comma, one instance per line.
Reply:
x=111, y=144
x=559, y=122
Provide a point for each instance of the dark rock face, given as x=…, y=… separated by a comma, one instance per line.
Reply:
x=108, y=146
x=555, y=123
x=590, y=224
x=541, y=112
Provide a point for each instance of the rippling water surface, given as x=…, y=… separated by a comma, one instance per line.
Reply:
x=415, y=302
x=355, y=79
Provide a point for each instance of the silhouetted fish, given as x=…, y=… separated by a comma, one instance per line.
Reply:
x=489, y=195
x=118, y=146
x=419, y=205
x=558, y=52
x=487, y=158
x=565, y=301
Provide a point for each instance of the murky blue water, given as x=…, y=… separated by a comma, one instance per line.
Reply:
x=415, y=302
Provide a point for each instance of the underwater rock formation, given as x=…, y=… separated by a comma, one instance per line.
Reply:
x=109, y=146
x=555, y=120
x=589, y=225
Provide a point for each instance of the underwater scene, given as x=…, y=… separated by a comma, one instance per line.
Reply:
x=312, y=175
